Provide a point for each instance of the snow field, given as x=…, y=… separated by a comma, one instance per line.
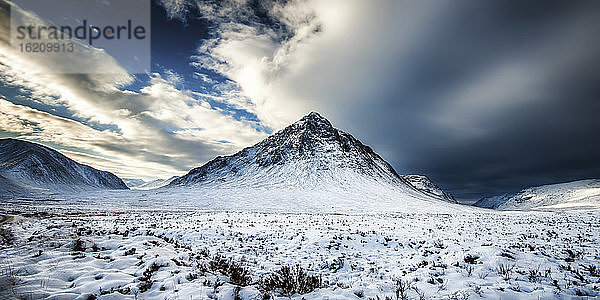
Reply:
x=62, y=253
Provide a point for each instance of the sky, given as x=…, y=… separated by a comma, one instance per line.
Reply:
x=483, y=97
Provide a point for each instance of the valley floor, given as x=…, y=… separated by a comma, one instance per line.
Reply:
x=59, y=252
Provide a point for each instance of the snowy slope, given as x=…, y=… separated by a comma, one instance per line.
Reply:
x=309, y=152
x=424, y=184
x=493, y=201
x=9, y=187
x=154, y=184
x=133, y=182
x=35, y=165
x=576, y=194
x=306, y=163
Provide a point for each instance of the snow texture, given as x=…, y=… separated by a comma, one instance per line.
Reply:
x=309, y=196
x=59, y=251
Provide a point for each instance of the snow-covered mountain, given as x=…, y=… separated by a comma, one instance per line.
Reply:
x=310, y=159
x=154, y=184
x=309, y=152
x=10, y=188
x=424, y=184
x=576, y=194
x=133, y=182
x=27, y=164
x=493, y=201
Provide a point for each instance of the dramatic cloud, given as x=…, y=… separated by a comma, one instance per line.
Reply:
x=156, y=132
x=482, y=97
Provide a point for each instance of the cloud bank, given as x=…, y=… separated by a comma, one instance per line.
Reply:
x=482, y=97
x=157, y=131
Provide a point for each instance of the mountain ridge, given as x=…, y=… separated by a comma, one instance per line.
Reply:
x=154, y=184
x=426, y=185
x=580, y=193
x=27, y=163
x=306, y=139
x=308, y=154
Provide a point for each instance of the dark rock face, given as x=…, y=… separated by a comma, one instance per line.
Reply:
x=36, y=165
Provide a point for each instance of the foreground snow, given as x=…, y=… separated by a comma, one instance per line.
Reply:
x=62, y=252
x=368, y=197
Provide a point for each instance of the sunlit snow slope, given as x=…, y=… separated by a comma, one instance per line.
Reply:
x=576, y=194
x=154, y=184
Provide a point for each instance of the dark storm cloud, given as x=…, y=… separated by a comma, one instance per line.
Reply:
x=499, y=96
x=484, y=97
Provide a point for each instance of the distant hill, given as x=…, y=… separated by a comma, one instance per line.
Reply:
x=576, y=194
x=25, y=165
x=133, y=182
x=424, y=184
x=154, y=184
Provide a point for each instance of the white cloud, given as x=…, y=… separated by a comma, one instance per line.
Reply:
x=155, y=125
x=355, y=61
x=329, y=55
x=176, y=8
x=343, y=57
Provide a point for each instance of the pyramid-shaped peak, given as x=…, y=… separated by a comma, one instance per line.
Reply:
x=314, y=118
x=314, y=115
x=40, y=166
